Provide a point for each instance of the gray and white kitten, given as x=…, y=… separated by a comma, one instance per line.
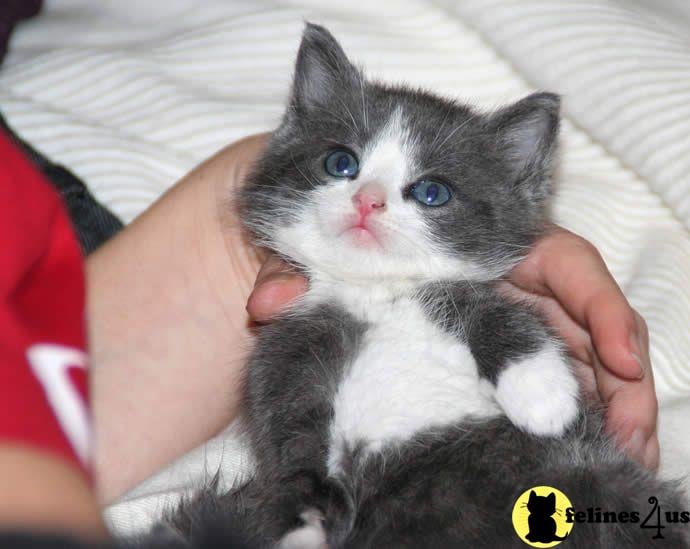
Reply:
x=404, y=402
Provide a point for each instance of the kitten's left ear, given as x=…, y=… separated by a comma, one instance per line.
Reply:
x=526, y=134
x=322, y=69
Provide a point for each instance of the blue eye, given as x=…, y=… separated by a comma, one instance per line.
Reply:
x=341, y=163
x=430, y=193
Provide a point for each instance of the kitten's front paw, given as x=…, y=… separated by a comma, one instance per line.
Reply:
x=539, y=393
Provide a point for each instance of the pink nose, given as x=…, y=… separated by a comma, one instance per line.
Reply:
x=370, y=197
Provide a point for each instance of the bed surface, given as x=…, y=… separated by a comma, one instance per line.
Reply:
x=132, y=95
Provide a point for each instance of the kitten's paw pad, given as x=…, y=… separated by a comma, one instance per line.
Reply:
x=309, y=536
x=539, y=393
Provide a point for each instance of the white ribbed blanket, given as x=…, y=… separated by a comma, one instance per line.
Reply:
x=131, y=95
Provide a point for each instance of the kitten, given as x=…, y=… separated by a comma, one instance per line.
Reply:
x=403, y=401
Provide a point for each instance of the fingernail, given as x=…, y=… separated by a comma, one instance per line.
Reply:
x=635, y=354
x=636, y=444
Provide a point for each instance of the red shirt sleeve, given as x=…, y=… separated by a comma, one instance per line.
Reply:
x=43, y=366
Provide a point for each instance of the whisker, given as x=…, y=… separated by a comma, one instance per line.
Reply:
x=347, y=110
x=292, y=158
x=339, y=119
x=441, y=126
x=364, y=106
x=452, y=133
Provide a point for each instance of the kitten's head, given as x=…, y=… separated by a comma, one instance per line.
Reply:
x=372, y=183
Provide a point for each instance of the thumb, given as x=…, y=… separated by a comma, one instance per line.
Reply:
x=276, y=286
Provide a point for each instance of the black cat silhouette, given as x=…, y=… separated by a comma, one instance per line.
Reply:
x=542, y=528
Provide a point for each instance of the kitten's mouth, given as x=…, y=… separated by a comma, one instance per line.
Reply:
x=361, y=235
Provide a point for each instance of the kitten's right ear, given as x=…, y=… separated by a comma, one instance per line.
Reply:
x=322, y=69
x=526, y=135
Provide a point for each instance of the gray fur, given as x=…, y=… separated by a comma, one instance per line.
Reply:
x=453, y=486
x=496, y=329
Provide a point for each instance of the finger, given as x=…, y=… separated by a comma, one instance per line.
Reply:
x=587, y=380
x=568, y=268
x=632, y=413
x=276, y=286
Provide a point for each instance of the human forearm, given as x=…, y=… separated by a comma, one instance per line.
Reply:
x=168, y=328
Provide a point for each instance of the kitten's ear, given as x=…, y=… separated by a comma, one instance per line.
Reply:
x=322, y=69
x=551, y=498
x=526, y=134
x=532, y=496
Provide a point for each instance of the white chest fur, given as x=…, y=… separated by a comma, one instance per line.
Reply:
x=408, y=376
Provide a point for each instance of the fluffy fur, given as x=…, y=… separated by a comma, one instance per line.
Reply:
x=404, y=402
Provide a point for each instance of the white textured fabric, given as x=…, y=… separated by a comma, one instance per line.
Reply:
x=131, y=95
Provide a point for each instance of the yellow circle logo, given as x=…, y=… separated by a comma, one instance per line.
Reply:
x=539, y=516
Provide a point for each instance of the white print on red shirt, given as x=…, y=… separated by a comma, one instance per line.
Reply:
x=50, y=364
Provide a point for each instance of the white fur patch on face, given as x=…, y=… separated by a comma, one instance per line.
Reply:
x=310, y=536
x=389, y=157
x=406, y=248
x=408, y=377
x=539, y=393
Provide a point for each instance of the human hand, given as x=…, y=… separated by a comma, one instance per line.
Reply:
x=566, y=278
